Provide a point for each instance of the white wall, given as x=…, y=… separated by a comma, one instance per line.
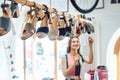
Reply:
x=111, y=58
x=3, y=64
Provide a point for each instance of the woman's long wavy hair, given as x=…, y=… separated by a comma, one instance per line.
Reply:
x=69, y=44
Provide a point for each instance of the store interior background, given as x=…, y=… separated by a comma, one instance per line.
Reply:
x=107, y=32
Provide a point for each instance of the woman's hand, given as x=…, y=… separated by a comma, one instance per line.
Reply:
x=76, y=58
x=90, y=39
x=89, y=59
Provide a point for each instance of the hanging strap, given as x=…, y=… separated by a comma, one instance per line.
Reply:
x=66, y=60
x=82, y=57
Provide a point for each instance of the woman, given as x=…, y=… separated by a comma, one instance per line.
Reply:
x=71, y=62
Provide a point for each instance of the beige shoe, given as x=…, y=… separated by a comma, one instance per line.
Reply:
x=62, y=34
x=42, y=32
x=28, y=31
x=53, y=34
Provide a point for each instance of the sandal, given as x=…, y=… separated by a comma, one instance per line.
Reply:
x=29, y=28
x=68, y=27
x=62, y=30
x=5, y=25
x=62, y=33
x=14, y=9
x=43, y=30
x=28, y=31
x=54, y=32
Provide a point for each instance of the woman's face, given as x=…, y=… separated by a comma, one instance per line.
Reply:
x=75, y=44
